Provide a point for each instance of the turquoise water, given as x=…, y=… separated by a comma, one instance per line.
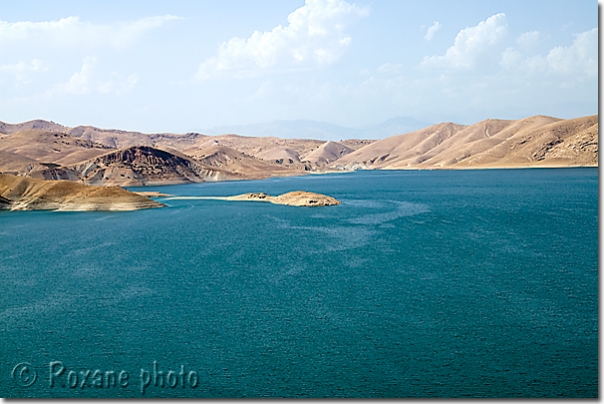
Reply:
x=421, y=284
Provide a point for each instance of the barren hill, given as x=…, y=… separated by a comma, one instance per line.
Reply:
x=271, y=149
x=327, y=153
x=46, y=150
x=49, y=155
x=409, y=146
x=225, y=158
x=143, y=165
x=533, y=141
x=8, y=128
x=30, y=151
x=147, y=166
x=257, y=146
x=50, y=146
x=119, y=139
x=279, y=155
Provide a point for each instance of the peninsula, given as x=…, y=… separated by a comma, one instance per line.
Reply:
x=21, y=193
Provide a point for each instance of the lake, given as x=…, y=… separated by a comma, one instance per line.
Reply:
x=479, y=283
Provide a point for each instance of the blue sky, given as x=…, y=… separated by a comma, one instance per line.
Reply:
x=183, y=66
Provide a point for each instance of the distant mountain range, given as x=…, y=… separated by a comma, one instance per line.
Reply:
x=307, y=129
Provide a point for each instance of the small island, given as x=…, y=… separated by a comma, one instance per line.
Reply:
x=21, y=193
x=294, y=198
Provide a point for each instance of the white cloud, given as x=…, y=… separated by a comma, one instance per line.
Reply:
x=71, y=31
x=390, y=68
x=528, y=40
x=314, y=37
x=122, y=86
x=87, y=81
x=22, y=71
x=510, y=58
x=470, y=44
x=79, y=83
x=579, y=59
x=34, y=66
x=432, y=30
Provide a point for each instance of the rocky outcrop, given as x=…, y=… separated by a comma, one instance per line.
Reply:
x=21, y=193
x=144, y=165
x=4, y=203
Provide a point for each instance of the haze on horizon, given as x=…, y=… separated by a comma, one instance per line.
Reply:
x=187, y=66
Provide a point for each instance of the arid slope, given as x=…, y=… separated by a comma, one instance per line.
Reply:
x=533, y=141
x=45, y=147
x=247, y=166
x=327, y=153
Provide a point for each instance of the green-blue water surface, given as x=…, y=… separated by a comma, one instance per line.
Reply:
x=420, y=284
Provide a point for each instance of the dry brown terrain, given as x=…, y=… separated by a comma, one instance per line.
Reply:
x=7, y=128
x=52, y=156
x=327, y=153
x=225, y=158
x=529, y=142
x=44, y=147
x=46, y=150
x=21, y=193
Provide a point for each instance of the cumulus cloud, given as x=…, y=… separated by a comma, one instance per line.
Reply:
x=79, y=83
x=313, y=37
x=87, y=81
x=72, y=31
x=432, y=30
x=578, y=59
x=470, y=44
